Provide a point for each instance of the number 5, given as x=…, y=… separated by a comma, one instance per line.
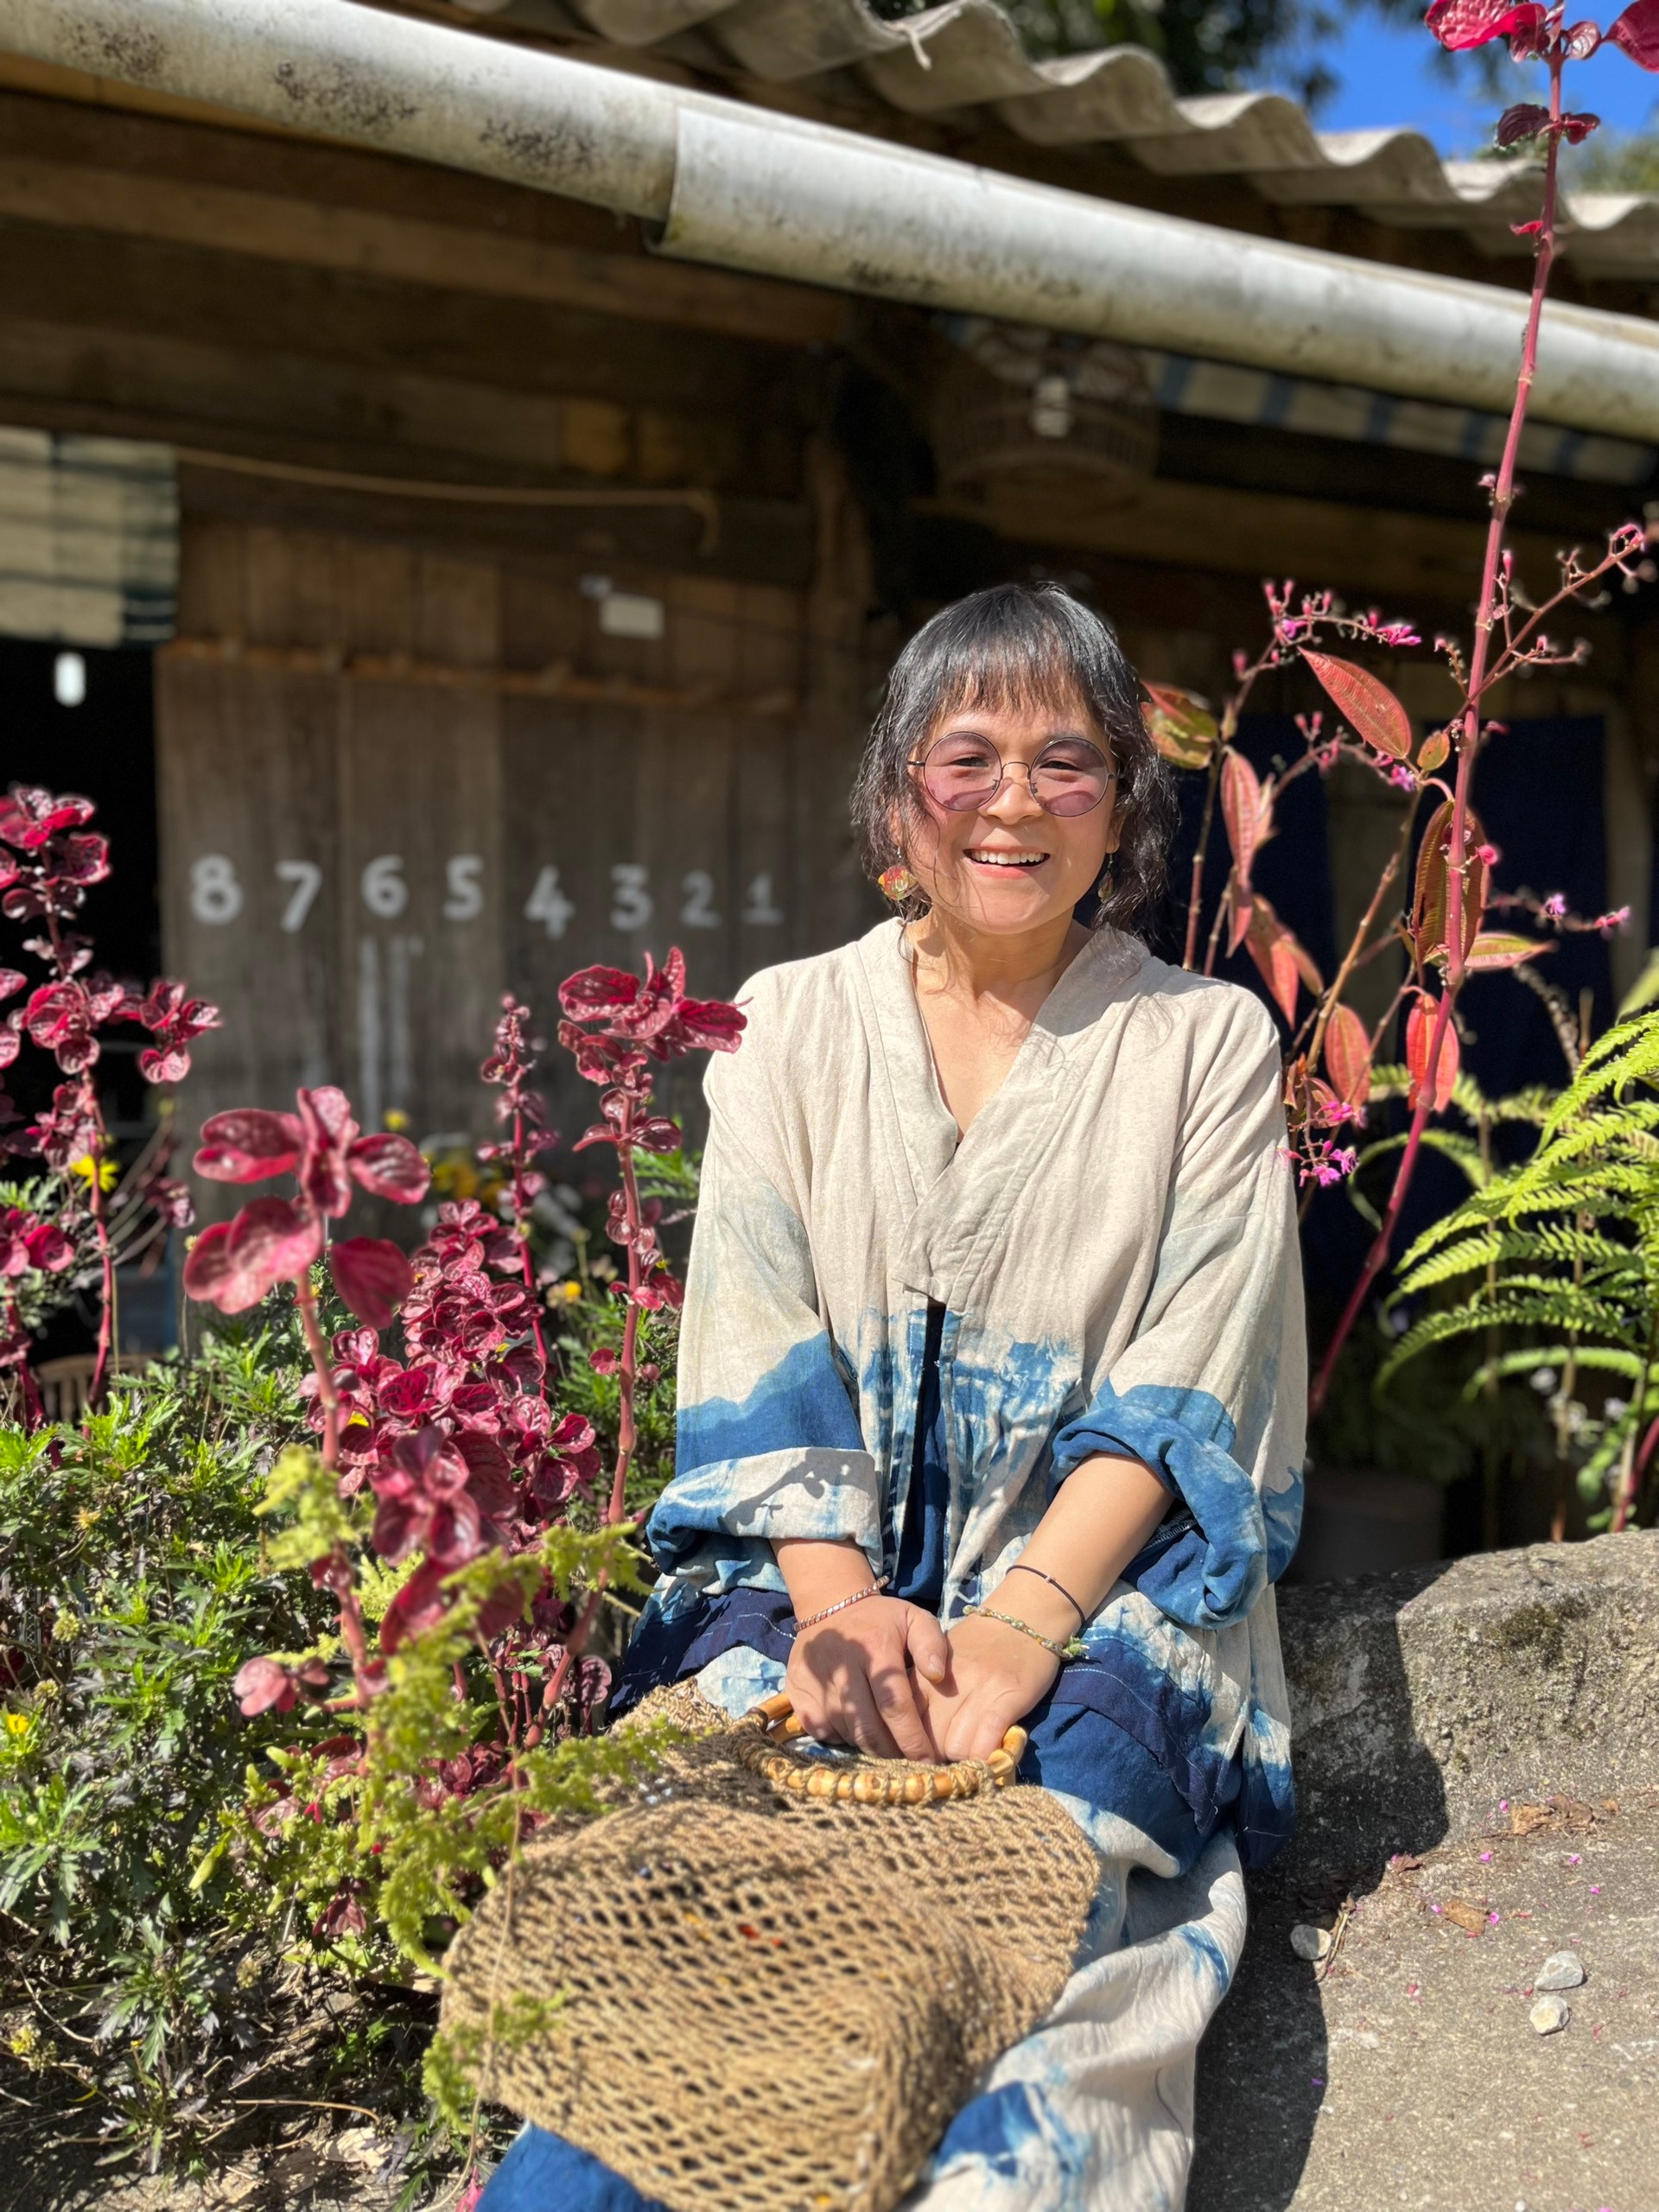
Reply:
x=466, y=899
x=307, y=879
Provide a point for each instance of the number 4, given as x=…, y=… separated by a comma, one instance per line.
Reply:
x=548, y=905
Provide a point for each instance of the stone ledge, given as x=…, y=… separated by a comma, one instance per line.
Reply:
x=1420, y=1700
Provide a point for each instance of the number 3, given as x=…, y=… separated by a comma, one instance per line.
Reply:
x=633, y=905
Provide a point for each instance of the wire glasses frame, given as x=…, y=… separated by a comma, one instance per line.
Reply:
x=962, y=773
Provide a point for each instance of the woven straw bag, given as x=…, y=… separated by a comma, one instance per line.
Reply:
x=775, y=1978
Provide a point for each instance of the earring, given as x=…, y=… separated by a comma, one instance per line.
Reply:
x=897, y=882
x=1103, y=887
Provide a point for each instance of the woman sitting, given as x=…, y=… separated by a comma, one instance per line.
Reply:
x=992, y=1379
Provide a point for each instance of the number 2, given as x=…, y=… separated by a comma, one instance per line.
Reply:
x=699, y=889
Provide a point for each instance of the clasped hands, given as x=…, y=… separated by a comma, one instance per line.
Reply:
x=884, y=1675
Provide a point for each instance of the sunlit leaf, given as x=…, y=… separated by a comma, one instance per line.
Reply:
x=1280, y=958
x=1247, y=810
x=1180, y=724
x=1638, y=32
x=1419, y=1035
x=1348, y=1055
x=1436, y=745
x=1460, y=25
x=1429, y=909
x=1495, y=948
x=1365, y=703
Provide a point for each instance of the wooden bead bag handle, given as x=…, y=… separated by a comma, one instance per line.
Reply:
x=759, y=1735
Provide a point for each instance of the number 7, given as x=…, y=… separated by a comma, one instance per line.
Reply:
x=307, y=879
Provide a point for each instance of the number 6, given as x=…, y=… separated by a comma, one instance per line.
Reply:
x=385, y=892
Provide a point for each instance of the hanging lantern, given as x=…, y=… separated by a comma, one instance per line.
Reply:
x=1026, y=406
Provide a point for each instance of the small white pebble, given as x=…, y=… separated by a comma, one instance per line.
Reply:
x=1308, y=1942
x=1549, y=2015
x=1562, y=1970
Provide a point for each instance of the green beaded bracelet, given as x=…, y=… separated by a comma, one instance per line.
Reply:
x=1075, y=1648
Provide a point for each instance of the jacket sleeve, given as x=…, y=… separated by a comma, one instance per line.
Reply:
x=769, y=1443
x=1210, y=1392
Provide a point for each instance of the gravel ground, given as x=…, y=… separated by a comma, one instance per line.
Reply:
x=1403, y=2070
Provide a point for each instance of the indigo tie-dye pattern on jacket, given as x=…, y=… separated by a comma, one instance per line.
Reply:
x=1113, y=1244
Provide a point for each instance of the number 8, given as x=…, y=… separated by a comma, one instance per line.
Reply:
x=215, y=894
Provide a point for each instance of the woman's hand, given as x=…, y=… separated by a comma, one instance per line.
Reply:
x=855, y=1679
x=996, y=1676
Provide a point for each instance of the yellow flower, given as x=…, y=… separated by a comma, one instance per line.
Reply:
x=395, y=1118
x=570, y=1291
x=108, y=1171
x=18, y=1724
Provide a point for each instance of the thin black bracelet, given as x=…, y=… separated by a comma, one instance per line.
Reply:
x=1020, y=1567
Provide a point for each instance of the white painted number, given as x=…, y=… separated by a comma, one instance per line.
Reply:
x=758, y=909
x=466, y=899
x=548, y=904
x=306, y=880
x=699, y=889
x=633, y=905
x=385, y=892
x=215, y=894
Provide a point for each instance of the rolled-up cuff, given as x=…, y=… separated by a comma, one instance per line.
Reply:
x=1183, y=1437
x=816, y=1493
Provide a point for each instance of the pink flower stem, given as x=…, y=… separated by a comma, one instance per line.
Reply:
x=1630, y=1489
x=106, y=1258
x=520, y=1205
x=328, y=1395
x=625, y=1433
x=354, y=1634
x=1468, y=741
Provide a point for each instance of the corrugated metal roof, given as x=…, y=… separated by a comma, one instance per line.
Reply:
x=966, y=55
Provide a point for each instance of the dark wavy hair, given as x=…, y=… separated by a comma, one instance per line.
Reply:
x=1017, y=645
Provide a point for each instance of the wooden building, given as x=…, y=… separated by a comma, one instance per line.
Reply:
x=518, y=598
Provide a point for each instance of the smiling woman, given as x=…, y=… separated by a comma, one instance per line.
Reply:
x=992, y=1380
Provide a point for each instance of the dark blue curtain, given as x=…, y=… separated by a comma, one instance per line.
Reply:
x=1538, y=792
x=1293, y=871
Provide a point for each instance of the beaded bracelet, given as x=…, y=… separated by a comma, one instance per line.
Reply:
x=841, y=1604
x=1075, y=1648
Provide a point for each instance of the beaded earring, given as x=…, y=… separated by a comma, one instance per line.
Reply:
x=897, y=882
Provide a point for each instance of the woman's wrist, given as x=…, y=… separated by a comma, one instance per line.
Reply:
x=820, y=1572
x=1039, y=1607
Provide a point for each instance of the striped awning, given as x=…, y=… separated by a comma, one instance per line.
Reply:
x=89, y=539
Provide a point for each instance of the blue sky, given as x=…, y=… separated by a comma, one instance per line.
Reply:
x=1387, y=76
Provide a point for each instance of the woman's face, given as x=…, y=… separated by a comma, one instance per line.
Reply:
x=1008, y=866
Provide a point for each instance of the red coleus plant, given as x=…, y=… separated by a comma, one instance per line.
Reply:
x=235, y=1263
x=460, y=1441
x=48, y=861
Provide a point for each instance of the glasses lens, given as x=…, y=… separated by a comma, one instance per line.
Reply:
x=1070, y=777
x=961, y=771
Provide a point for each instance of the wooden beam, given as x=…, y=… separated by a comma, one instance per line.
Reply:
x=151, y=288
x=1365, y=549
x=363, y=241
